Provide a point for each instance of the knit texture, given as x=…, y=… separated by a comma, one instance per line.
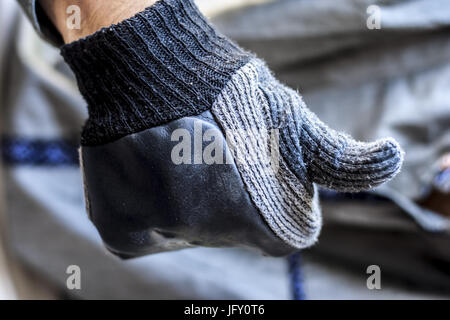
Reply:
x=167, y=62
x=254, y=106
x=164, y=63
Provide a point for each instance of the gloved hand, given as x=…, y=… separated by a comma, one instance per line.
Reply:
x=191, y=141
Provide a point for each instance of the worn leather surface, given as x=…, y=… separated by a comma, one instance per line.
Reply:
x=142, y=202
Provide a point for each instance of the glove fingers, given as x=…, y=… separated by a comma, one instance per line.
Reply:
x=339, y=162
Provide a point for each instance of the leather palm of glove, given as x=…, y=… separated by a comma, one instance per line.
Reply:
x=191, y=141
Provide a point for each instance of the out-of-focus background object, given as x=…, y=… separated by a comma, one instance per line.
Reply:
x=213, y=8
x=371, y=83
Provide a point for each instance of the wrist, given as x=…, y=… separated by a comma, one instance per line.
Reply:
x=93, y=15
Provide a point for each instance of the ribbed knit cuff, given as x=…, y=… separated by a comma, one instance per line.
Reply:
x=164, y=63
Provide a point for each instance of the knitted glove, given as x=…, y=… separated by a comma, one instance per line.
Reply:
x=152, y=73
x=310, y=152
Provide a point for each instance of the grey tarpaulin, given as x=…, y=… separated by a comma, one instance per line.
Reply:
x=394, y=81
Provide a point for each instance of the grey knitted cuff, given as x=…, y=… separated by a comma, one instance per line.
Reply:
x=165, y=63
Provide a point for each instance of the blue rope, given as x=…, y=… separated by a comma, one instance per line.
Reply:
x=38, y=152
x=296, y=276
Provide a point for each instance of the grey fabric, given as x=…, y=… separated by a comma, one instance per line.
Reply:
x=385, y=237
x=41, y=23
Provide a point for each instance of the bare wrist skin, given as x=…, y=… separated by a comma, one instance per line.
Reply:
x=95, y=14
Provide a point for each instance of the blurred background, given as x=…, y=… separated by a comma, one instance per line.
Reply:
x=370, y=68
